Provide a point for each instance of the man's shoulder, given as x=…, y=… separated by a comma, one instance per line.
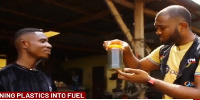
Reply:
x=8, y=67
x=197, y=47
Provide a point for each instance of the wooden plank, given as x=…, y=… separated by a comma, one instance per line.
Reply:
x=139, y=28
x=120, y=21
x=53, y=2
x=89, y=30
x=26, y=15
x=147, y=1
x=196, y=30
x=152, y=13
x=76, y=48
x=125, y=3
x=97, y=15
x=11, y=22
x=131, y=5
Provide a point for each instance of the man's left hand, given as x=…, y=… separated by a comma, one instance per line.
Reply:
x=134, y=75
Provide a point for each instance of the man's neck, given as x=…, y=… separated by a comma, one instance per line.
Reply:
x=185, y=39
x=29, y=63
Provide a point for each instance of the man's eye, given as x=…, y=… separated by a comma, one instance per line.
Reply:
x=43, y=41
x=162, y=28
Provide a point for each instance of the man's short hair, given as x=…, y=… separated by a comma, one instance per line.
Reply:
x=177, y=11
x=25, y=31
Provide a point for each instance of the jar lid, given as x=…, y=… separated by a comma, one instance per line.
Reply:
x=115, y=46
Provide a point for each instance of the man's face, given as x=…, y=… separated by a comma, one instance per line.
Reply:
x=167, y=29
x=37, y=45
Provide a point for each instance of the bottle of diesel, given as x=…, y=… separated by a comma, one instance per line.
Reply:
x=115, y=57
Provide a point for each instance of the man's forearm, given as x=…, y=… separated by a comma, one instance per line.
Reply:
x=176, y=91
x=129, y=59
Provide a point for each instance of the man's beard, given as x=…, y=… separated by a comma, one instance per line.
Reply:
x=173, y=38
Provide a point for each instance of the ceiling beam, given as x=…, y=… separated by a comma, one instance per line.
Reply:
x=105, y=35
x=6, y=35
x=147, y=1
x=74, y=48
x=125, y=3
x=1, y=37
x=6, y=31
x=153, y=13
x=197, y=30
x=11, y=22
x=130, y=5
x=76, y=27
x=99, y=15
x=149, y=12
x=120, y=22
x=95, y=16
x=89, y=30
x=26, y=15
x=88, y=18
x=53, y=2
x=77, y=35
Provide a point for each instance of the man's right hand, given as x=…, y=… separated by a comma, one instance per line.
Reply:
x=125, y=45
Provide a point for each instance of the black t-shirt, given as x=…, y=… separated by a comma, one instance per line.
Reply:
x=16, y=78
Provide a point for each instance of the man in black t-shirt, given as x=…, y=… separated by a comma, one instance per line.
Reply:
x=32, y=46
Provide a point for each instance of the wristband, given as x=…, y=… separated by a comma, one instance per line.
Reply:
x=151, y=82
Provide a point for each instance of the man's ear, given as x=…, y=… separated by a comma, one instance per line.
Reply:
x=183, y=26
x=24, y=44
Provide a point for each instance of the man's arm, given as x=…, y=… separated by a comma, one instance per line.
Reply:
x=131, y=61
x=178, y=91
x=172, y=90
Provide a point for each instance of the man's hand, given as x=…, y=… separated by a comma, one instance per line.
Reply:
x=116, y=41
x=134, y=75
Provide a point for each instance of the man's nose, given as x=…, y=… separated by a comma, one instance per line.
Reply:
x=49, y=45
x=158, y=32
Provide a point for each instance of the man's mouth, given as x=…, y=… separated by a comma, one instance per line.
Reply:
x=48, y=51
